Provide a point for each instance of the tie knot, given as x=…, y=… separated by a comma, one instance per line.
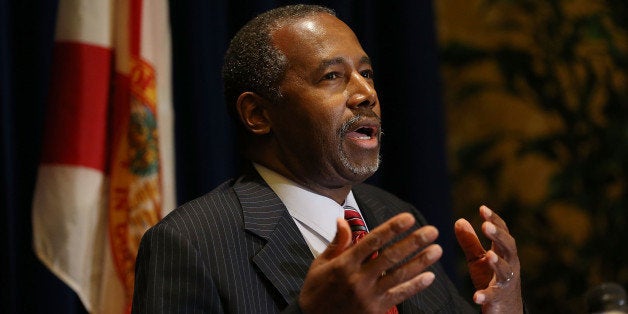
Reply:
x=354, y=219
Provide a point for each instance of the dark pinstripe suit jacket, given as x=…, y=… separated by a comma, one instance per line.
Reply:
x=237, y=250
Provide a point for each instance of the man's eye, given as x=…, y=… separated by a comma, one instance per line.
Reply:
x=367, y=74
x=331, y=76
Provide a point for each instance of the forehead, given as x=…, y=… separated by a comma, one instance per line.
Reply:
x=315, y=38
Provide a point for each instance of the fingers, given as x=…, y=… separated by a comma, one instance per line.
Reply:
x=501, y=289
x=346, y=269
x=410, y=278
x=503, y=243
x=400, y=251
x=341, y=241
x=403, y=291
x=404, y=278
x=393, y=255
x=381, y=235
x=503, y=271
x=495, y=228
x=412, y=268
x=489, y=215
x=497, y=231
x=468, y=240
x=506, y=281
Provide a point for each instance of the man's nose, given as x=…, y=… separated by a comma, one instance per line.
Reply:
x=362, y=92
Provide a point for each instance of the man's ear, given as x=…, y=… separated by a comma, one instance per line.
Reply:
x=252, y=110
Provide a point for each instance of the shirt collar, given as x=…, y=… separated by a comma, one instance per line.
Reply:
x=317, y=212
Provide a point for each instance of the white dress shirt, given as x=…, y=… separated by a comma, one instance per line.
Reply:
x=314, y=214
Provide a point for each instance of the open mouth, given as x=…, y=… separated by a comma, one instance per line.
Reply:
x=363, y=133
x=365, y=136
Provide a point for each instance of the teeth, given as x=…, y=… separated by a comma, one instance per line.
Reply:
x=365, y=137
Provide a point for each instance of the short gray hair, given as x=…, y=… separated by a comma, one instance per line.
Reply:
x=252, y=63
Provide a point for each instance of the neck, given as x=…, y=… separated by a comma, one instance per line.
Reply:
x=337, y=194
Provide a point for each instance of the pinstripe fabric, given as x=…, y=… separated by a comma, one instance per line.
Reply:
x=237, y=250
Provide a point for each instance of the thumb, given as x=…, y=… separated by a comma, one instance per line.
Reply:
x=468, y=240
x=341, y=241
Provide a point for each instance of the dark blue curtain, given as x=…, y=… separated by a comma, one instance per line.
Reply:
x=399, y=36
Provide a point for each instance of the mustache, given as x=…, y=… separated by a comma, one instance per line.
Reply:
x=347, y=125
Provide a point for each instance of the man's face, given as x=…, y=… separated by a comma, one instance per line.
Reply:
x=327, y=124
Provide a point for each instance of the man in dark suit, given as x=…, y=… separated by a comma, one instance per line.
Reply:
x=275, y=240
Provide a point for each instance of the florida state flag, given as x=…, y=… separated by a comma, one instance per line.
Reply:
x=106, y=173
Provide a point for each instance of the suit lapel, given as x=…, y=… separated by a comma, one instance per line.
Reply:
x=374, y=212
x=285, y=257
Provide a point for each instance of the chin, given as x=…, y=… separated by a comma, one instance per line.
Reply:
x=363, y=170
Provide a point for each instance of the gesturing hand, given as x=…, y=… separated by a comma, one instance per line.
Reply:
x=495, y=273
x=345, y=279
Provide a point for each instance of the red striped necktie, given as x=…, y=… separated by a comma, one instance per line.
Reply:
x=358, y=227
x=359, y=231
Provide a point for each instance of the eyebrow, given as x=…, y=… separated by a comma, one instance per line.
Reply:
x=340, y=60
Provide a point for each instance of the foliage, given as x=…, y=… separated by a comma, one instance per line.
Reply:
x=569, y=62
